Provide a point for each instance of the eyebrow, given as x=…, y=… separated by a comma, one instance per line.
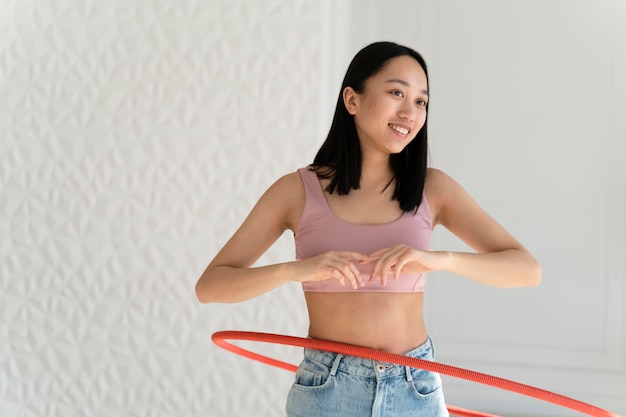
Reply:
x=404, y=83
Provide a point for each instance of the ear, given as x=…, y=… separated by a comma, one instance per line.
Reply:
x=350, y=99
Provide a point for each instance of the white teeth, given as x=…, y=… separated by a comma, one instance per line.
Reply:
x=400, y=129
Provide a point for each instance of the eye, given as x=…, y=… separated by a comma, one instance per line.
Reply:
x=421, y=103
x=397, y=93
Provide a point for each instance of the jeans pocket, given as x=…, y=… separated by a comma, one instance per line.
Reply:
x=312, y=374
x=425, y=384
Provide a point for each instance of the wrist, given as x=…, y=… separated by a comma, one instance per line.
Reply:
x=288, y=272
x=444, y=260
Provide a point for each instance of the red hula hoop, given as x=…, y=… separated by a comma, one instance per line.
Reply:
x=221, y=339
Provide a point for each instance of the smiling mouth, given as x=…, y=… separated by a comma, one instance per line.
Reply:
x=400, y=129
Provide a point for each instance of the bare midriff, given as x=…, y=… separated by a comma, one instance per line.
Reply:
x=392, y=322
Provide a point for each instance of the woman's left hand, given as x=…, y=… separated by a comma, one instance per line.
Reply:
x=402, y=259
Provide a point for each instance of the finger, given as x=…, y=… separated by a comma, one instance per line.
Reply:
x=384, y=251
x=398, y=267
x=385, y=267
x=355, y=256
x=346, y=271
x=376, y=271
x=380, y=272
x=357, y=275
x=389, y=268
x=384, y=278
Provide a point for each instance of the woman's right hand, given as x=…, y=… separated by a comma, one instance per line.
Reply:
x=339, y=265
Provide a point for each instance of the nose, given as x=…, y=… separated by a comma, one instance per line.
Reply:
x=407, y=112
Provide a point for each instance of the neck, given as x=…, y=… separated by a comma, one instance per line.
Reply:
x=375, y=173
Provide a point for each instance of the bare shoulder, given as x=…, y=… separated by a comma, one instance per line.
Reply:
x=287, y=196
x=289, y=186
x=439, y=188
x=441, y=185
x=288, y=182
x=435, y=178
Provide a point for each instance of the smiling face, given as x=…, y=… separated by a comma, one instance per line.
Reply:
x=391, y=110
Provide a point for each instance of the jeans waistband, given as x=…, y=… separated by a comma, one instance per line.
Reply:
x=367, y=367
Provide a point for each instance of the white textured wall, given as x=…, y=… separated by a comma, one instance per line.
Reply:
x=136, y=135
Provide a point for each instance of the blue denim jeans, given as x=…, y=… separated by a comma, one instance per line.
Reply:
x=332, y=385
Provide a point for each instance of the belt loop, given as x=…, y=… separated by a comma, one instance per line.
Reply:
x=333, y=370
x=409, y=375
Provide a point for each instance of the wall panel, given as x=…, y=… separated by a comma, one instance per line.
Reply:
x=527, y=114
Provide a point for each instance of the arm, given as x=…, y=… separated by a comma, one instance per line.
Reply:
x=500, y=260
x=230, y=278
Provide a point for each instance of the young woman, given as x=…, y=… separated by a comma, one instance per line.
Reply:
x=362, y=216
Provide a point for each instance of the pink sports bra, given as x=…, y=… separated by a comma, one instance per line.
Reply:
x=319, y=231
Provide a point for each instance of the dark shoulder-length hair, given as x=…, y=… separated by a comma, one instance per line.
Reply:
x=339, y=158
